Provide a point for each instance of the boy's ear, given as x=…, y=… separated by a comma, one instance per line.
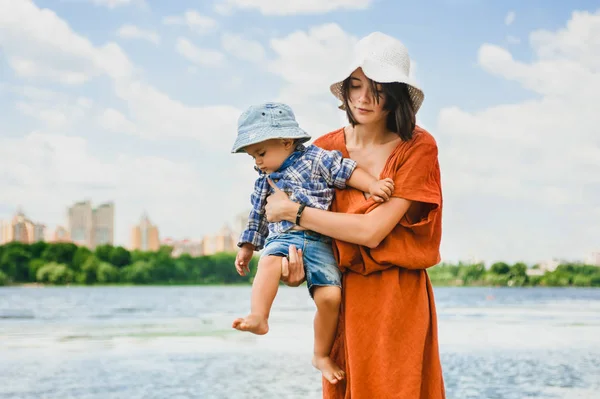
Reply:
x=288, y=143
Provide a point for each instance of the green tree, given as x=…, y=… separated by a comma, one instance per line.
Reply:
x=34, y=266
x=120, y=257
x=15, y=262
x=61, y=252
x=518, y=275
x=557, y=278
x=80, y=256
x=107, y=273
x=144, y=256
x=3, y=278
x=61, y=274
x=500, y=268
x=186, y=269
x=471, y=273
x=497, y=280
x=137, y=273
x=518, y=270
x=89, y=271
x=43, y=273
x=103, y=252
x=38, y=248
x=582, y=280
x=55, y=273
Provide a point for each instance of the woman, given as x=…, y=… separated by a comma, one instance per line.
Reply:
x=387, y=336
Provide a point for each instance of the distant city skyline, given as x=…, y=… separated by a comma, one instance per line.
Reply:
x=91, y=226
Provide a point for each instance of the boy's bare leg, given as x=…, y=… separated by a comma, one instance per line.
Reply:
x=327, y=299
x=264, y=289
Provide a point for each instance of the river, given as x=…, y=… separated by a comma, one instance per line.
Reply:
x=176, y=342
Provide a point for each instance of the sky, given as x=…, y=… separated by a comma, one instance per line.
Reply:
x=136, y=102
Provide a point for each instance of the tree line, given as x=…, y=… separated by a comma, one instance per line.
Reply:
x=501, y=274
x=67, y=263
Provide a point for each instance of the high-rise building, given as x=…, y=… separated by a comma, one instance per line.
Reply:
x=91, y=227
x=81, y=223
x=180, y=247
x=144, y=236
x=61, y=234
x=224, y=241
x=103, y=224
x=239, y=224
x=21, y=229
x=593, y=259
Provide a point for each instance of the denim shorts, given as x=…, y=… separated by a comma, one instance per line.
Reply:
x=320, y=266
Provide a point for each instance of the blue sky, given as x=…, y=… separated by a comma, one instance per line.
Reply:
x=136, y=101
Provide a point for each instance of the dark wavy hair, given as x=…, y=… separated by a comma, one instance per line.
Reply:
x=401, y=116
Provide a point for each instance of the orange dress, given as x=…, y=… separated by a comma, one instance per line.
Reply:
x=387, y=338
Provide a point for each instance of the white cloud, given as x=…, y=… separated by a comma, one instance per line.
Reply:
x=27, y=68
x=58, y=53
x=133, y=32
x=542, y=151
x=309, y=62
x=41, y=45
x=197, y=55
x=289, y=7
x=49, y=172
x=117, y=3
x=197, y=22
x=55, y=110
x=157, y=116
x=242, y=48
x=509, y=18
x=113, y=120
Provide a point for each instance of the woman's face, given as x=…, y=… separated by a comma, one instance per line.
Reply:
x=364, y=106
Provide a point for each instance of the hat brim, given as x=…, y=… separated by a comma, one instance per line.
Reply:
x=268, y=134
x=381, y=74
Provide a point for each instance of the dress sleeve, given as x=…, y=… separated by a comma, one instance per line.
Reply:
x=417, y=179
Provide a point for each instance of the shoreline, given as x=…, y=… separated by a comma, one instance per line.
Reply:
x=41, y=285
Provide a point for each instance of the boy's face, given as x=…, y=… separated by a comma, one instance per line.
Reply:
x=270, y=155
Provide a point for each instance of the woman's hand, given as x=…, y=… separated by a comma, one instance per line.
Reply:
x=279, y=206
x=292, y=271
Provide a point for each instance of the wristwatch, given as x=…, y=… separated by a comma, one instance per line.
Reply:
x=299, y=214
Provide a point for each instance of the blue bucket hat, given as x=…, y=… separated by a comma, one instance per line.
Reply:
x=265, y=122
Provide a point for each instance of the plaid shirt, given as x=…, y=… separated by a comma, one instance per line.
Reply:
x=308, y=176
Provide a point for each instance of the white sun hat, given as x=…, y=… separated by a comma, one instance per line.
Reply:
x=383, y=59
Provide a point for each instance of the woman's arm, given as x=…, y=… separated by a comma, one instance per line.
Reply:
x=368, y=230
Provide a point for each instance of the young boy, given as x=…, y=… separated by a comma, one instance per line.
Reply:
x=270, y=134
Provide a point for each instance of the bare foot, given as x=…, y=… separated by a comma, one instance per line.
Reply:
x=331, y=371
x=252, y=323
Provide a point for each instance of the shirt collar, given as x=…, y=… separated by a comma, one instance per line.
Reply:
x=289, y=161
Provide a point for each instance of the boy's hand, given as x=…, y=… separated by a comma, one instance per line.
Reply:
x=382, y=190
x=243, y=258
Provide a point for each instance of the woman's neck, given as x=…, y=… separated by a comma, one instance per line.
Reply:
x=362, y=136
